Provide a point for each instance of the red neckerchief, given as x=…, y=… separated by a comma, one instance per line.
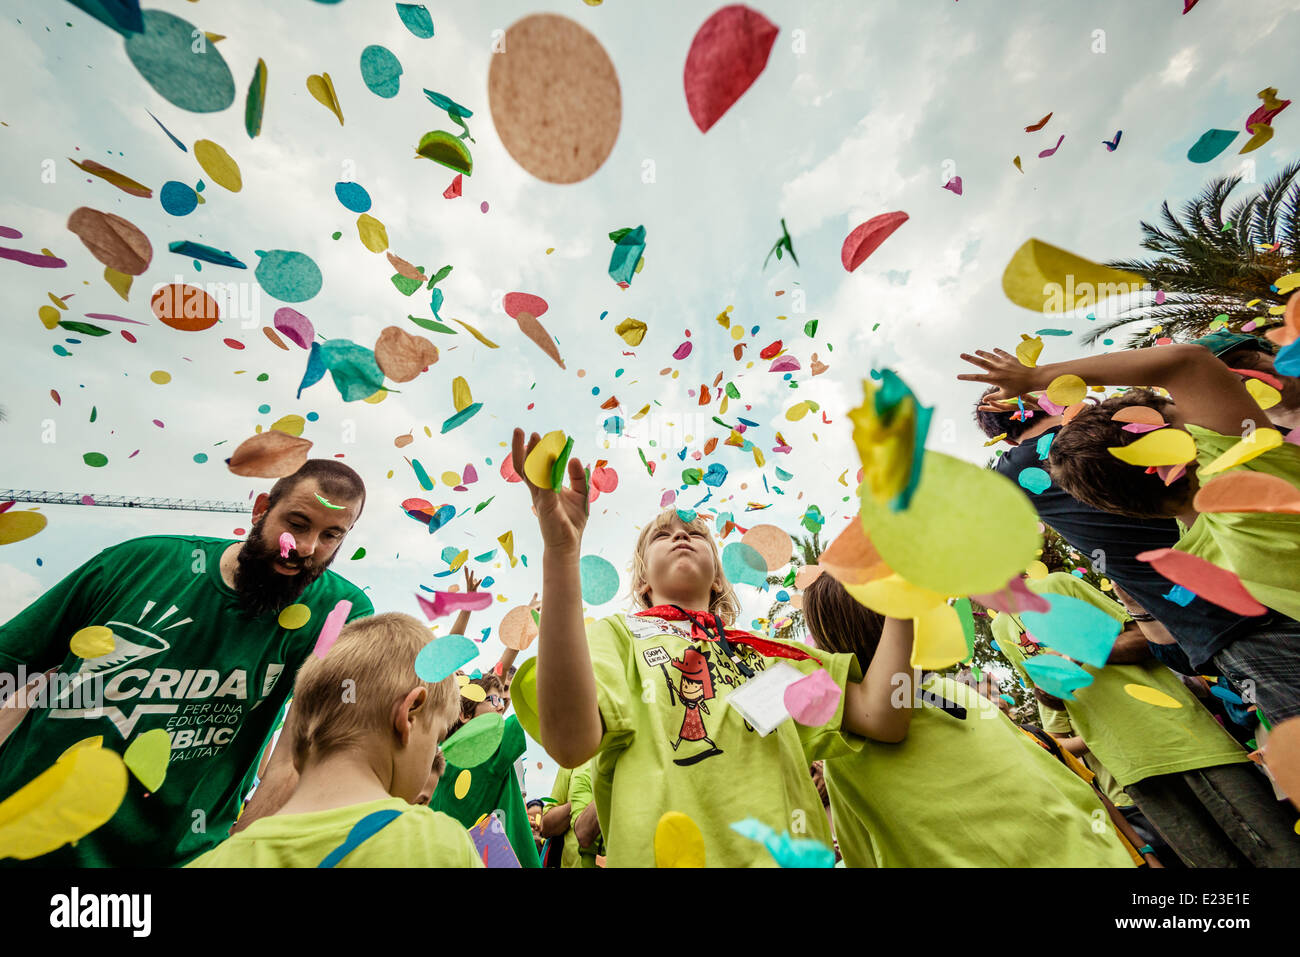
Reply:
x=771, y=649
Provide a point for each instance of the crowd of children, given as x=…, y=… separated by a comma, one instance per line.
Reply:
x=675, y=736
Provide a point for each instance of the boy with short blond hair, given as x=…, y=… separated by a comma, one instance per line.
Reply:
x=364, y=731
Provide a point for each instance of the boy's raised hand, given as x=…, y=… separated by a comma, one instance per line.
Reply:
x=561, y=515
x=1003, y=370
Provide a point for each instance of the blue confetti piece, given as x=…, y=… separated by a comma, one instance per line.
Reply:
x=1057, y=676
x=1180, y=596
x=441, y=657
x=1034, y=479
x=1044, y=444
x=1075, y=628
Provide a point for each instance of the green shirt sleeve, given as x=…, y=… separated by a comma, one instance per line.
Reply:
x=616, y=681
x=37, y=637
x=560, y=792
x=580, y=791
x=1054, y=721
x=830, y=740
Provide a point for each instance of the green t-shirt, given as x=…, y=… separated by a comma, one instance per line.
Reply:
x=418, y=837
x=493, y=787
x=580, y=795
x=1058, y=722
x=1133, y=739
x=187, y=659
x=972, y=792
x=1261, y=548
x=664, y=752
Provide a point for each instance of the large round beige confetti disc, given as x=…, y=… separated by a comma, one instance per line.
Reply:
x=555, y=98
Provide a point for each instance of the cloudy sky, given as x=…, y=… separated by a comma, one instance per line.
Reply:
x=864, y=108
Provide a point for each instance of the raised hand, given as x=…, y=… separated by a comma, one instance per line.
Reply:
x=561, y=515
x=472, y=581
x=1003, y=370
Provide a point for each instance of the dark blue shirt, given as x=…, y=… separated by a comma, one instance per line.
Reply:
x=1201, y=628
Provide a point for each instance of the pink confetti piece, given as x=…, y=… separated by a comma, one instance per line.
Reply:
x=1014, y=597
x=32, y=259
x=1140, y=427
x=812, y=701
x=1050, y=407
x=8, y=232
x=784, y=364
x=287, y=542
x=109, y=317
x=670, y=496
x=329, y=630
x=1052, y=150
x=954, y=185
x=683, y=350
x=470, y=476
x=1160, y=297
x=446, y=602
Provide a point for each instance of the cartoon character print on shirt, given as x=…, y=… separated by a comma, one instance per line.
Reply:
x=693, y=691
x=1025, y=642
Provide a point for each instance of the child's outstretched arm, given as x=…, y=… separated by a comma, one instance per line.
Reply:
x=462, y=620
x=567, y=710
x=868, y=708
x=1206, y=392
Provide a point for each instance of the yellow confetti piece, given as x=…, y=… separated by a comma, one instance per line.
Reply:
x=896, y=597
x=1067, y=390
x=62, y=804
x=473, y=693
x=1036, y=570
x=644, y=411
x=938, y=640
x=460, y=560
x=1029, y=350
x=1039, y=275
x=462, y=784
x=119, y=282
x=631, y=330
x=147, y=756
x=294, y=617
x=94, y=641
x=476, y=334
x=1277, y=310
x=16, y=526
x=1257, y=443
x=289, y=425
x=507, y=542
x=1287, y=283
x=1154, y=696
x=1265, y=395
x=376, y=397
x=49, y=317
x=724, y=317
x=159, y=377
x=322, y=88
x=538, y=464
x=219, y=166
x=450, y=478
x=796, y=411
x=461, y=397
x=94, y=742
x=374, y=236
x=737, y=332
x=995, y=440
x=1168, y=446
x=678, y=842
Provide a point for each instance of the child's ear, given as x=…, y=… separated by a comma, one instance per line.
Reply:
x=408, y=711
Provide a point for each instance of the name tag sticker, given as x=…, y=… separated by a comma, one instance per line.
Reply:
x=761, y=700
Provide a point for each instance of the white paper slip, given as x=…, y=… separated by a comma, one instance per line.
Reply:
x=761, y=699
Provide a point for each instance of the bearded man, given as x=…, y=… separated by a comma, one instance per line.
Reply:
x=199, y=637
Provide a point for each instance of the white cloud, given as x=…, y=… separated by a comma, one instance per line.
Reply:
x=1180, y=67
x=18, y=589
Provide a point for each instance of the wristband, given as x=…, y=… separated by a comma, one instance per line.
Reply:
x=1143, y=617
x=1146, y=849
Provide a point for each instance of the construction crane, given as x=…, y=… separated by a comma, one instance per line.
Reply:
x=122, y=501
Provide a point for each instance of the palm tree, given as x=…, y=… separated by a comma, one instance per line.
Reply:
x=807, y=550
x=1209, y=264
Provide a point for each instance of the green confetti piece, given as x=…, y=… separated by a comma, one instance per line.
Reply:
x=810, y=328
x=327, y=503
x=557, y=470
x=359, y=554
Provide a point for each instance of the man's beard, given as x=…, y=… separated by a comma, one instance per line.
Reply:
x=262, y=590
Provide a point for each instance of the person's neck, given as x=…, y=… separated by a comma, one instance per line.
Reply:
x=696, y=602
x=229, y=562
x=1034, y=431
x=337, y=780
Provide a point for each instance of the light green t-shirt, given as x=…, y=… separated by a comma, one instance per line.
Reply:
x=672, y=744
x=1054, y=721
x=560, y=794
x=418, y=837
x=966, y=792
x=1133, y=739
x=1261, y=548
x=580, y=795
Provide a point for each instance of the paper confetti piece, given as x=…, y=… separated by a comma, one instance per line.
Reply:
x=63, y=804
x=599, y=579
x=1210, y=145
x=541, y=460
x=188, y=73
x=1211, y=582
x=866, y=238
x=288, y=275
x=416, y=18
x=362, y=831
x=518, y=629
x=147, y=757
x=255, y=102
x=967, y=529
x=533, y=329
x=1051, y=151
x=1254, y=445
x=402, y=356
x=850, y=558
x=1149, y=695
x=476, y=740
x=1067, y=390
x=516, y=302
x=1037, y=265
x=441, y=657
x=813, y=700
x=743, y=565
x=296, y=327
x=1057, y=676
x=939, y=640
x=787, y=851
x=678, y=842
x=1074, y=628
x=451, y=602
x=270, y=454
x=381, y=71
x=1113, y=144
x=112, y=240
x=770, y=541
x=219, y=165
x=628, y=255
x=125, y=183
x=287, y=544
x=93, y=641
x=1035, y=480
x=1035, y=127
x=441, y=147
x=1163, y=447
x=322, y=88
x=953, y=185
x=728, y=53
x=17, y=526
x=333, y=623
x=1261, y=133
x=1248, y=492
